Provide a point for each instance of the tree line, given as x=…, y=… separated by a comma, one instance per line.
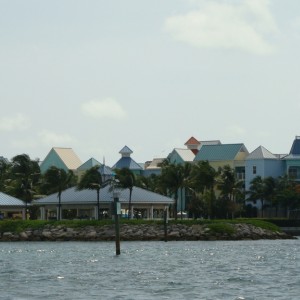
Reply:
x=204, y=191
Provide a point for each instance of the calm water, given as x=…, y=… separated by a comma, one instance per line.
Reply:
x=150, y=270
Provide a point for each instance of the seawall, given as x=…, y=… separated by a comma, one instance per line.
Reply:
x=143, y=232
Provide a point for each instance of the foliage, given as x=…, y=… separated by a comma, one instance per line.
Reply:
x=221, y=228
x=218, y=226
x=126, y=180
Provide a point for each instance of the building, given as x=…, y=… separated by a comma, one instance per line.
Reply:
x=61, y=158
x=11, y=207
x=127, y=162
x=83, y=204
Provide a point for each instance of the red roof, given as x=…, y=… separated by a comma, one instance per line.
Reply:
x=192, y=141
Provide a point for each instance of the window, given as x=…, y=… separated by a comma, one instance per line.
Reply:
x=240, y=173
x=294, y=172
x=254, y=170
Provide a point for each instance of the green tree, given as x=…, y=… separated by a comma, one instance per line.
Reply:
x=231, y=190
x=256, y=192
x=126, y=180
x=287, y=193
x=24, y=178
x=263, y=190
x=202, y=183
x=174, y=178
x=57, y=180
x=92, y=180
x=4, y=173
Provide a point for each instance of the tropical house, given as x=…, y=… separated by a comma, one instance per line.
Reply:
x=261, y=162
x=11, y=207
x=220, y=155
x=62, y=158
x=153, y=167
x=127, y=162
x=83, y=204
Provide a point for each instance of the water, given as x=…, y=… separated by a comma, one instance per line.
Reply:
x=150, y=270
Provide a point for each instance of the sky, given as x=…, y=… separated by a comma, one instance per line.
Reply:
x=96, y=75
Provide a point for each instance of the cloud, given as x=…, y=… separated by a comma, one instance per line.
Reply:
x=54, y=139
x=220, y=24
x=17, y=122
x=107, y=108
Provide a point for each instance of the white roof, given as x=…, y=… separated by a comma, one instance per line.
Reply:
x=185, y=154
x=69, y=157
x=261, y=153
x=155, y=163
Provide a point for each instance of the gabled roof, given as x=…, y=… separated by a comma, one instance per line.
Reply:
x=73, y=196
x=89, y=164
x=192, y=141
x=186, y=155
x=261, y=153
x=7, y=200
x=220, y=152
x=61, y=158
x=68, y=156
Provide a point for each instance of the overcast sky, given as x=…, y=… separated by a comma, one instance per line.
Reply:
x=96, y=75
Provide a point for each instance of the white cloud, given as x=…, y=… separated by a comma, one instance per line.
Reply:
x=17, y=122
x=54, y=139
x=107, y=108
x=220, y=24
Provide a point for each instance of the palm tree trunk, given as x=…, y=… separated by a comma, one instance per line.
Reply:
x=129, y=205
x=98, y=204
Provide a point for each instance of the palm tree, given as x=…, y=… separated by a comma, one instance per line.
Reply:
x=92, y=180
x=25, y=174
x=57, y=180
x=256, y=191
x=202, y=182
x=126, y=180
x=263, y=190
x=288, y=194
x=231, y=188
x=174, y=178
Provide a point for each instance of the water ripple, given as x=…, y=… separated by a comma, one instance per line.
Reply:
x=150, y=270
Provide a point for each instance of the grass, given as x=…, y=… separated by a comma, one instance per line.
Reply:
x=218, y=226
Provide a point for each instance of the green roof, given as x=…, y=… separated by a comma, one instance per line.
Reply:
x=89, y=164
x=219, y=152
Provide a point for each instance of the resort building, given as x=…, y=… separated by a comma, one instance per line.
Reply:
x=62, y=158
x=77, y=204
x=11, y=207
x=127, y=162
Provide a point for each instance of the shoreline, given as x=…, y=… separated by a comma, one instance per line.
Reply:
x=145, y=232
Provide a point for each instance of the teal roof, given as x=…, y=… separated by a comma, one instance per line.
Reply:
x=219, y=152
x=89, y=164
